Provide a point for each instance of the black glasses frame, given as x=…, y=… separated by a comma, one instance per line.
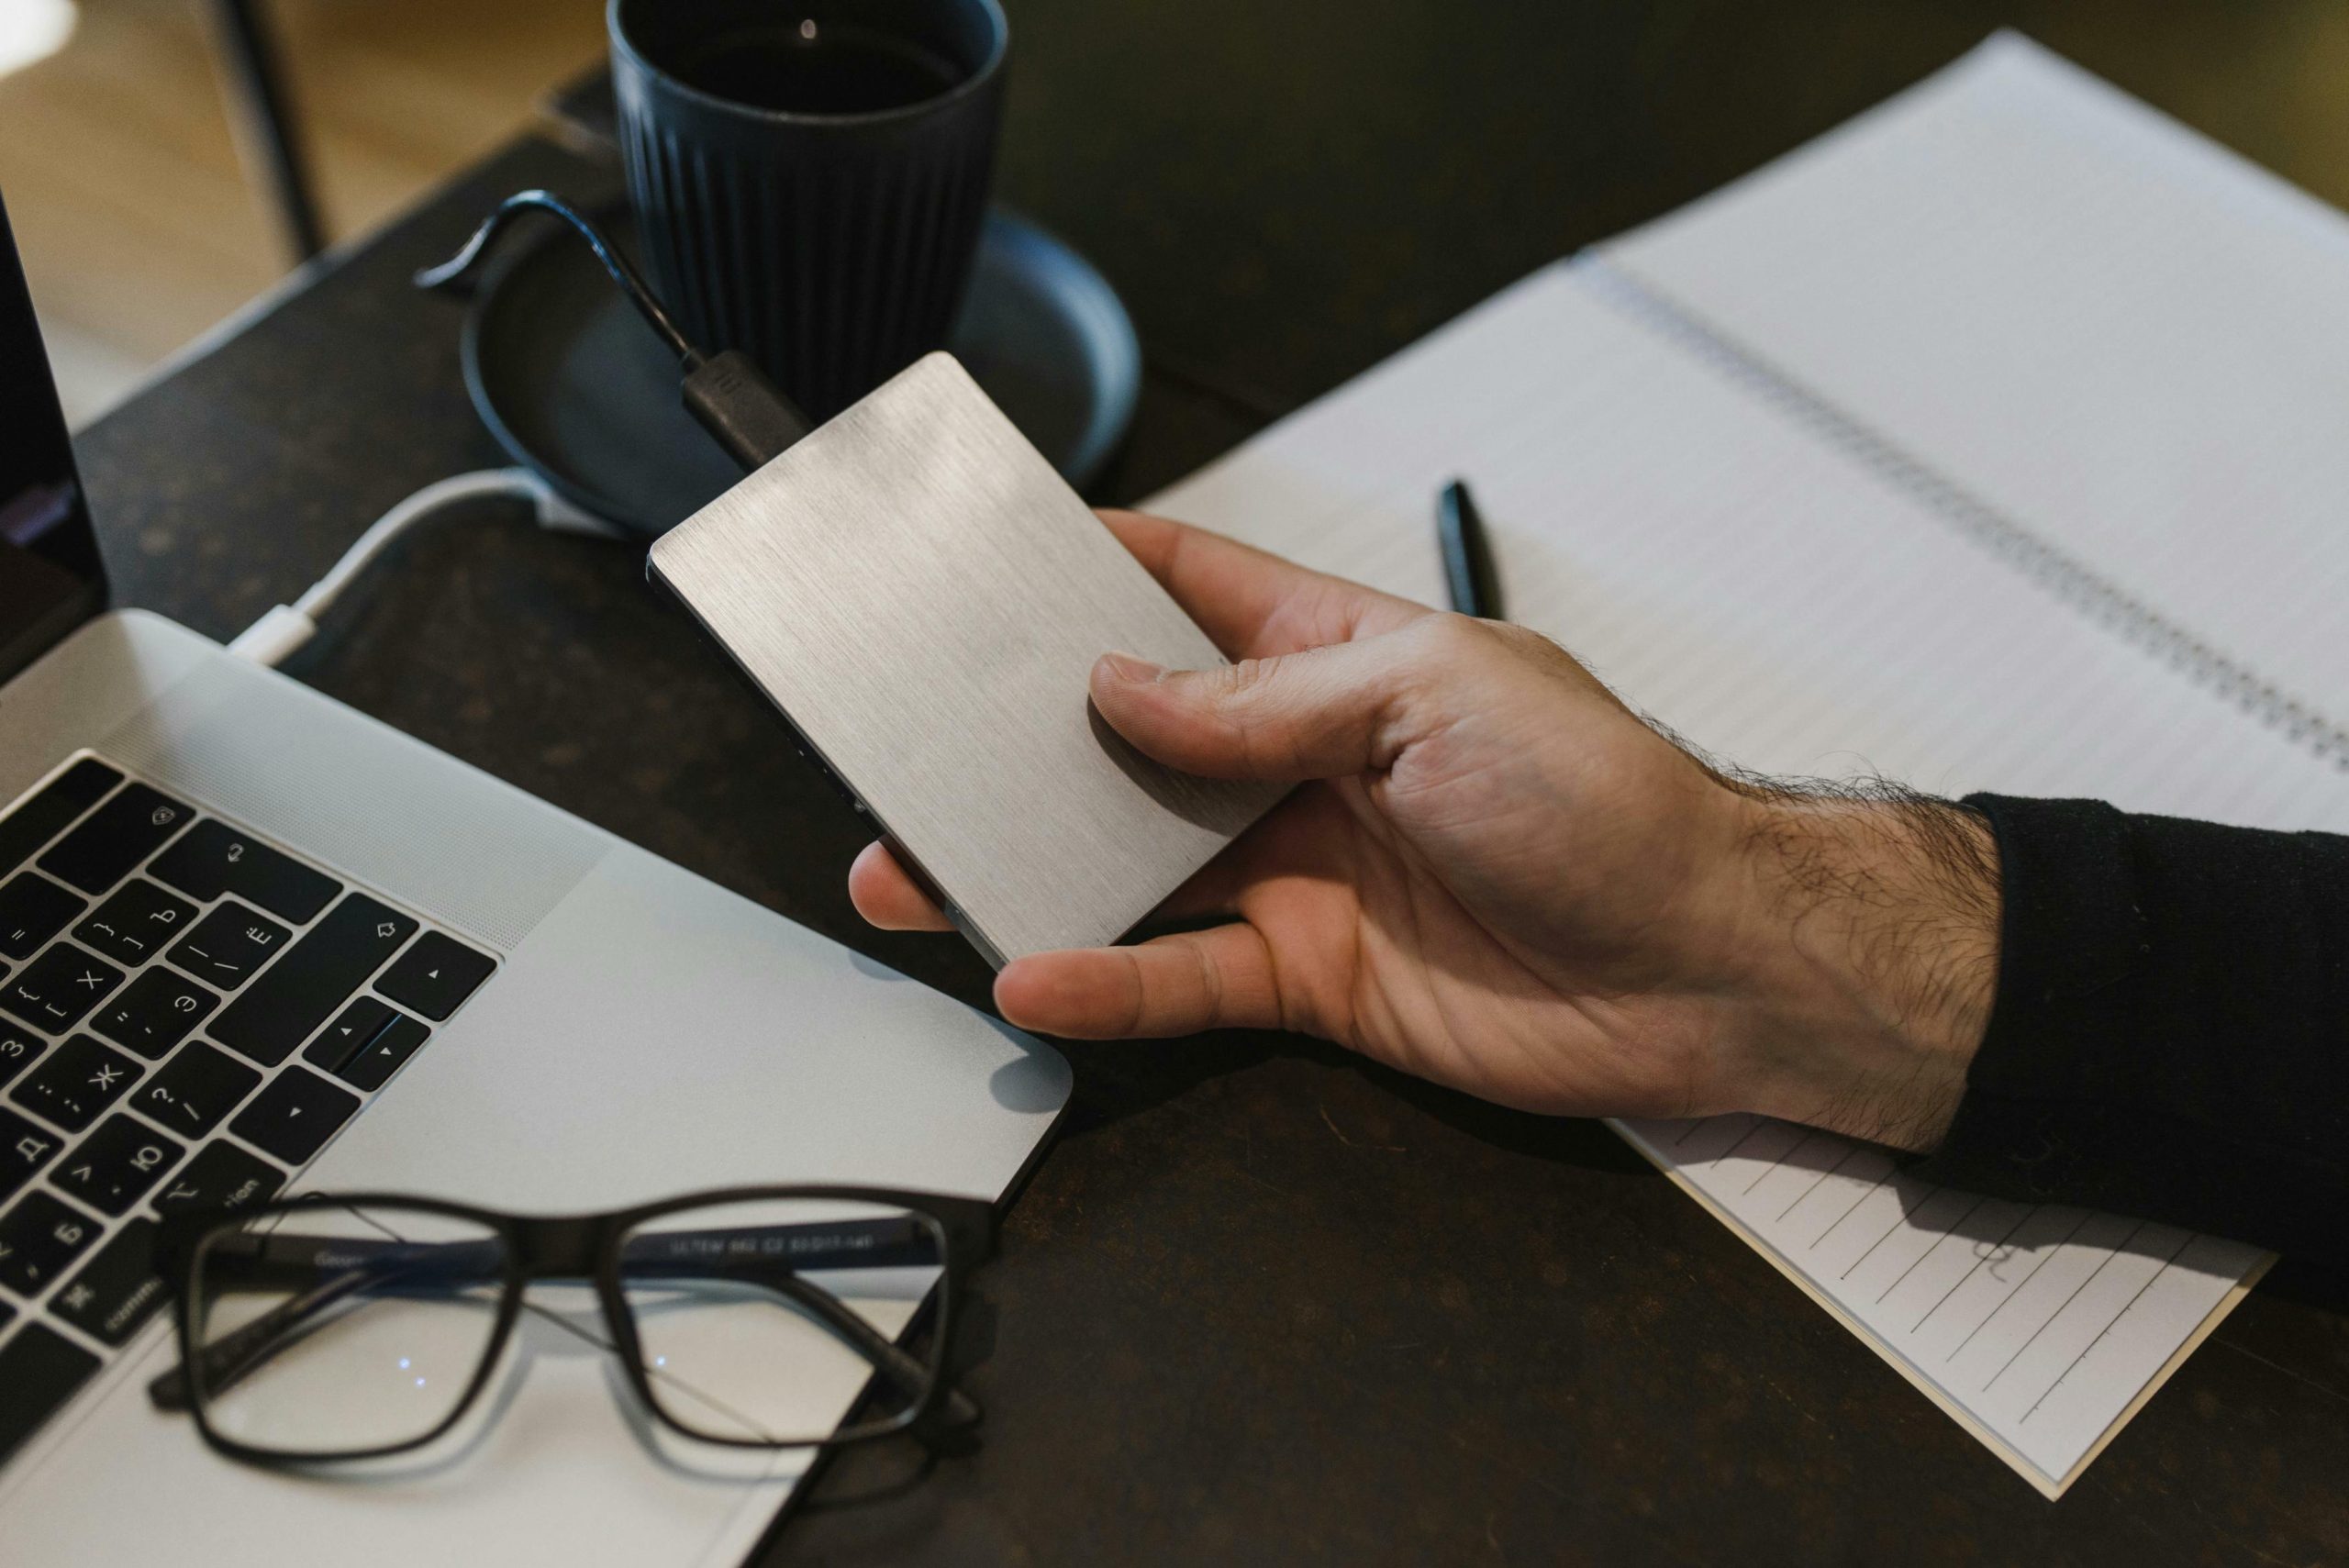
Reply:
x=588, y=1247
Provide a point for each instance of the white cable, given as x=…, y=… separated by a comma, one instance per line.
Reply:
x=275, y=638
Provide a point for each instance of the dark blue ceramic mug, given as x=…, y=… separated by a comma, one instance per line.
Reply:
x=810, y=176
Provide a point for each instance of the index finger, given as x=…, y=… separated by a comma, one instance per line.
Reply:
x=1251, y=603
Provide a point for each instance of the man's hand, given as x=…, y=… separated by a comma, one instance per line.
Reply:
x=1496, y=877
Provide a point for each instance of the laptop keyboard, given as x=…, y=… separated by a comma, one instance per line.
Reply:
x=188, y=1013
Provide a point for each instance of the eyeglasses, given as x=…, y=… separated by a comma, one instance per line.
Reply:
x=329, y=1328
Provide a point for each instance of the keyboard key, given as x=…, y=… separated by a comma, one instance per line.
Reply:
x=348, y=1036
x=197, y=1088
x=39, y=1240
x=60, y=986
x=19, y=1049
x=40, y=1369
x=228, y=945
x=155, y=1013
x=46, y=815
x=116, y=1291
x=392, y=1040
x=220, y=1177
x=114, y=838
x=215, y=861
x=436, y=975
x=317, y=975
x=32, y=910
x=295, y=1116
x=77, y=1083
x=25, y=1146
x=136, y=923
x=113, y=1167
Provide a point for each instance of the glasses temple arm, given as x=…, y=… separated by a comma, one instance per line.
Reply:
x=876, y=1347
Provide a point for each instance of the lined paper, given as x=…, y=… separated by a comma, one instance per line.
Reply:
x=2040, y=1326
x=1737, y=573
x=2119, y=332
x=1756, y=575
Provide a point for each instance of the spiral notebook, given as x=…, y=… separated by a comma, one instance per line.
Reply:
x=1992, y=440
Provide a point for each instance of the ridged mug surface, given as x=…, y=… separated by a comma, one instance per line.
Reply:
x=832, y=249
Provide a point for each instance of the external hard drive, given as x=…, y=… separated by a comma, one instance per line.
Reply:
x=923, y=597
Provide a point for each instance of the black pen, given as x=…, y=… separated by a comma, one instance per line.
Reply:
x=1468, y=571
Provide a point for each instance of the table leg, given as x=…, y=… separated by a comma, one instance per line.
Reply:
x=271, y=138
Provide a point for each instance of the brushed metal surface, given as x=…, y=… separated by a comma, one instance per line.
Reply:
x=923, y=597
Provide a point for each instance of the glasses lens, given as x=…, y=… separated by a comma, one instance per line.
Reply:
x=762, y=1320
x=342, y=1328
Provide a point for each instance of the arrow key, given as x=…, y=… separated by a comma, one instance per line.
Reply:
x=366, y=1043
x=349, y=1034
x=295, y=1116
x=436, y=975
x=382, y=1055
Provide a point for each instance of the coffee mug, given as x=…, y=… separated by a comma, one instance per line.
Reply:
x=810, y=176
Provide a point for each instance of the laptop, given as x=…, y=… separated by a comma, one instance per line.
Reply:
x=253, y=942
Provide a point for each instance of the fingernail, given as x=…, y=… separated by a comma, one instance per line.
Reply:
x=1132, y=671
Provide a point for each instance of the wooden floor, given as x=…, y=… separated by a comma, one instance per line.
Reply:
x=138, y=226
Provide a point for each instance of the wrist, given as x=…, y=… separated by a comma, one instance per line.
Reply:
x=1869, y=943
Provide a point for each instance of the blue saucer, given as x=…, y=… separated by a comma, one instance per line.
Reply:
x=574, y=385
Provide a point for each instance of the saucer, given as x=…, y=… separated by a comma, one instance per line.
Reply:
x=574, y=385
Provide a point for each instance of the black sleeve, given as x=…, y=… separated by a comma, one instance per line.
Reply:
x=2171, y=1033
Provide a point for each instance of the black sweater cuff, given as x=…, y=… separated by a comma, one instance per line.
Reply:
x=2168, y=1038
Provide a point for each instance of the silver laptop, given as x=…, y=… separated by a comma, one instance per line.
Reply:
x=253, y=942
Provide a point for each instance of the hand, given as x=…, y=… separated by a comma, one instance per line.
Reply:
x=1498, y=877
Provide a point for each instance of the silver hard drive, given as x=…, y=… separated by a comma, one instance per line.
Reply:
x=923, y=597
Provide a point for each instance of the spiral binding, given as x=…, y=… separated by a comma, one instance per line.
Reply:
x=1975, y=520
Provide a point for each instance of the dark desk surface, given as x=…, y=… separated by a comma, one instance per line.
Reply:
x=1261, y=1302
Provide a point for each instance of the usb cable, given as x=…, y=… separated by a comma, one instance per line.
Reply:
x=275, y=638
x=742, y=410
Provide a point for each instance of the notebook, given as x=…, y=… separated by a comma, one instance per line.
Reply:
x=1991, y=441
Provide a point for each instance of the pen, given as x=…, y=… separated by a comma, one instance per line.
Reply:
x=1468, y=571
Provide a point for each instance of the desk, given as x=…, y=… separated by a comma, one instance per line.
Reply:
x=1261, y=1302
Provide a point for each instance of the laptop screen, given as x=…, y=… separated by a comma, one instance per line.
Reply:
x=50, y=581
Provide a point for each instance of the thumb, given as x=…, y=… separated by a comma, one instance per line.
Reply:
x=1323, y=713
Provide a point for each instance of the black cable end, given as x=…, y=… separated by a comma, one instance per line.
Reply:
x=742, y=410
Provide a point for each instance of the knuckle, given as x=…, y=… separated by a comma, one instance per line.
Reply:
x=1458, y=638
x=1438, y=649
x=1137, y=996
x=1175, y=988
x=1450, y=635
x=1206, y=990
x=1526, y=643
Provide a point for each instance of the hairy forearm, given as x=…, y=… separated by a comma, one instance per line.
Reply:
x=1872, y=954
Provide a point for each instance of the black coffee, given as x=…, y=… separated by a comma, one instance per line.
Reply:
x=804, y=68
